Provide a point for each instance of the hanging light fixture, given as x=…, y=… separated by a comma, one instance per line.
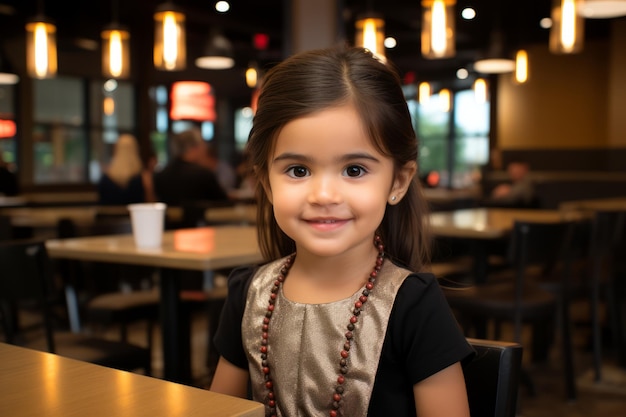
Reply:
x=252, y=74
x=7, y=74
x=602, y=9
x=370, y=34
x=521, y=66
x=218, y=53
x=41, y=46
x=568, y=28
x=115, y=48
x=480, y=90
x=170, y=49
x=438, y=34
x=496, y=60
x=423, y=92
x=444, y=100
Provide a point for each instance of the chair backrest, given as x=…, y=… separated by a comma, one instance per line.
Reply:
x=539, y=244
x=492, y=378
x=25, y=277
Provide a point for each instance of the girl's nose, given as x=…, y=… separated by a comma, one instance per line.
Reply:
x=324, y=190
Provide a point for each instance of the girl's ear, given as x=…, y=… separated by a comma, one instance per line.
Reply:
x=402, y=182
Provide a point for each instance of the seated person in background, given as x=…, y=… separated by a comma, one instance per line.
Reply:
x=125, y=181
x=519, y=192
x=8, y=180
x=226, y=175
x=184, y=178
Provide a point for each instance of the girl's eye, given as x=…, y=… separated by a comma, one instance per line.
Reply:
x=297, y=171
x=354, y=171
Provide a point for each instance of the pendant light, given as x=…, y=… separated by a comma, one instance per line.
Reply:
x=115, y=48
x=370, y=34
x=423, y=93
x=169, y=38
x=602, y=9
x=568, y=28
x=218, y=53
x=438, y=33
x=7, y=74
x=41, y=46
x=521, y=66
x=252, y=75
x=480, y=90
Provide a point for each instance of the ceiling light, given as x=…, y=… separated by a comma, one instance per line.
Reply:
x=480, y=90
x=438, y=35
x=41, y=48
x=496, y=60
x=370, y=34
x=218, y=53
x=170, y=47
x=115, y=48
x=521, y=66
x=602, y=9
x=568, y=28
x=7, y=74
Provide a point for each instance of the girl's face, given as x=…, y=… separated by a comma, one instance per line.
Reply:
x=329, y=185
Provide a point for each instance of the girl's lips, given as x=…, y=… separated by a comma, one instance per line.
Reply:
x=326, y=224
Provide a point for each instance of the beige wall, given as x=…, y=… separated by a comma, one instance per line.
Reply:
x=617, y=90
x=571, y=101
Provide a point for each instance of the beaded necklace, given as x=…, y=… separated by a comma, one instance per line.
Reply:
x=271, y=401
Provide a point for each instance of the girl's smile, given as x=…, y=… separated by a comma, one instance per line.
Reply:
x=328, y=184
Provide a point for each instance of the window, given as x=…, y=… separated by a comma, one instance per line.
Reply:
x=76, y=124
x=8, y=130
x=59, y=131
x=454, y=153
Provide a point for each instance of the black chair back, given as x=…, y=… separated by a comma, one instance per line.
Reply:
x=25, y=276
x=538, y=244
x=492, y=378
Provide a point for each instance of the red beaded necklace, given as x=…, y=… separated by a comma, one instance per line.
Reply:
x=345, y=352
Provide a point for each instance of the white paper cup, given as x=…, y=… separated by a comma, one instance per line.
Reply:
x=147, y=220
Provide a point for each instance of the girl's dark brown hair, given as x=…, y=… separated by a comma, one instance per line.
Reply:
x=320, y=79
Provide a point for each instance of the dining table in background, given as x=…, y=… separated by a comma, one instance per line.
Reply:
x=615, y=203
x=199, y=249
x=34, y=383
x=483, y=226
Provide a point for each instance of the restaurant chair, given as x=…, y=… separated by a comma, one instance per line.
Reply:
x=127, y=298
x=6, y=229
x=608, y=283
x=27, y=283
x=492, y=378
x=520, y=299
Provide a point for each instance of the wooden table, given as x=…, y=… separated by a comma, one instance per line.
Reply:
x=617, y=203
x=34, y=383
x=198, y=249
x=480, y=226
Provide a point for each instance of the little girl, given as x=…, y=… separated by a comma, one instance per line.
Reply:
x=337, y=323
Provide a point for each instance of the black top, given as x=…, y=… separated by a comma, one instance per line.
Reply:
x=422, y=338
x=110, y=193
x=180, y=182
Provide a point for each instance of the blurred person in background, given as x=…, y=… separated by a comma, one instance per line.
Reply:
x=226, y=175
x=519, y=192
x=8, y=180
x=185, y=179
x=125, y=181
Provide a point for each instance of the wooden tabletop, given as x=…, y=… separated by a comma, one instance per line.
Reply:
x=488, y=223
x=204, y=248
x=618, y=203
x=36, y=383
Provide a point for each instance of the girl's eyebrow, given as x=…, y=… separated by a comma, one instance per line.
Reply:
x=343, y=158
